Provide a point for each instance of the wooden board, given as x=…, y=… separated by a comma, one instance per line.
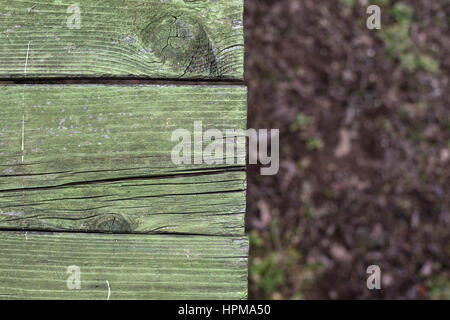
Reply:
x=170, y=39
x=88, y=133
x=98, y=159
x=35, y=265
x=200, y=204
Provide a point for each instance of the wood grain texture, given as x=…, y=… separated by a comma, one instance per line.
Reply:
x=170, y=39
x=98, y=158
x=34, y=266
x=201, y=204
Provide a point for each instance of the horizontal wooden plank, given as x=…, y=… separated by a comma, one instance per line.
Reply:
x=40, y=265
x=195, y=39
x=84, y=133
x=201, y=204
x=98, y=158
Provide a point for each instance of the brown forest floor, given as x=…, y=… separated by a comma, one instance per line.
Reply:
x=365, y=148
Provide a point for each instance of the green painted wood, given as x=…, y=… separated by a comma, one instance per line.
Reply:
x=35, y=265
x=85, y=133
x=98, y=158
x=201, y=204
x=164, y=39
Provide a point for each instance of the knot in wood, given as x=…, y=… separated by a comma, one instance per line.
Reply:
x=113, y=224
x=180, y=40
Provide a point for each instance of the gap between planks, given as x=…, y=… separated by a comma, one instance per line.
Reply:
x=89, y=232
x=128, y=81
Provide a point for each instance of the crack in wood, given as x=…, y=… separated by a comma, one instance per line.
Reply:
x=202, y=172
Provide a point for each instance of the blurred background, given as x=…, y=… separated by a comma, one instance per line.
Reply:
x=364, y=149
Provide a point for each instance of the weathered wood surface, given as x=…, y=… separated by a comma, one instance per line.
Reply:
x=203, y=204
x=34, y=266
x=94, y=162
x=90, y=133
x=98, y=158
x=189, y=39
